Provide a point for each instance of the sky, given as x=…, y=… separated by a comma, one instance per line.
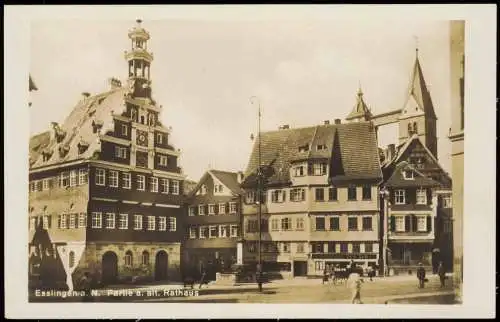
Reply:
x=204, y=73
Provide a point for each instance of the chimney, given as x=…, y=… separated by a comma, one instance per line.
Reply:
x=390, y=152
x=327, y=122
x=338, y=121
x=239, y=177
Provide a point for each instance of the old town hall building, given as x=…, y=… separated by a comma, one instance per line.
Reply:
x=106, y=187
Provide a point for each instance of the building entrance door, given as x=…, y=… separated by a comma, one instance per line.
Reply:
x=407, y=256
x=299, y=268
x=109, y=268
x=161, y=266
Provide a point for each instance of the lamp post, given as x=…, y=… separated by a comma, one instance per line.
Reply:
x=384, y=194
x=259, y=198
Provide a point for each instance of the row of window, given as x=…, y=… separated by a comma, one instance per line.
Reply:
x=411, y=223
x=129, y=258
x=316, y=169
x=111, y=221
x=218, y=188
x=314, y=247
x=213, y=231
x=321, y=194
x=286, y=224
x=162, y=185
x=66, y=179
x=122, y=153
x=159, y=136
x=212, y=209
x=400, y=196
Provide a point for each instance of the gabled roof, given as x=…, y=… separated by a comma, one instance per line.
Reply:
x=351, y=149
x=418, y=93
x=78, y=126
x=228, y=179
x=360, y=110
x=397, y=178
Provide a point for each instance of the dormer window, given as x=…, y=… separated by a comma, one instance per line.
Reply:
x=408, y=175
x=321, y=147
x=82, y=146
x=304, y=148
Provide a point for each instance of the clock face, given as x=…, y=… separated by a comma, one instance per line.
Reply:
x=142, y=138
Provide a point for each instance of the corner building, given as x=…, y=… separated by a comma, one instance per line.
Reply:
x=106, y=188
x=321, y=198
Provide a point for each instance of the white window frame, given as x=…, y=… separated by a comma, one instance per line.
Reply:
x=120, y=152
x=123, y=221
x=33, y=186
x=297, y=194
x=163, y=160
x=64, y=176
x=362, y=223
x=201, y=210
x=164, y=185
x=211, y=209
x=233, y=208
x=153, y=183
x=73, y=178
x=96, y=220
x=447, y=202
x=100, y=177
x=175, y=187
x=275, y=224
x=124, y=129
x=151, y=223
x=406, y=176
x=126, y=180
x=138, y=221
x=277, y=196
x=399, y=223
x=250, y=197
x=82, y=220
x=45, y=184
x=357, y=223
x=83, y=177
x=421, y=196
x=399, y=197
x=223, y=231
x=422, y=223
x=110, y=220
x=162, y=223
x=299, y=171
x=302, y=222
x=45, y=222
x=201, y=230
x=222, y=208
x=72, y=221
x=233, y=230
x=159, y=138
x=172, y=224
x=191, y=211
x=141, y=182
x=285, y=247
x=114, y=178
x=289, y=220
x=210, y=228
x=192, y=232
x=32, y=223
x=318, y=169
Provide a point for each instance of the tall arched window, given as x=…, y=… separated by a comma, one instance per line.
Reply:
x=71, y=259
x=145, y=258
x=128, y=258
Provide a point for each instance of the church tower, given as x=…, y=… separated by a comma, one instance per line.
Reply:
x=418, y=116
x=360, y=111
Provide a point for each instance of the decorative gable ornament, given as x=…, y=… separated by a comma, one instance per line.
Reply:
x=82, y=146
x=59, y=133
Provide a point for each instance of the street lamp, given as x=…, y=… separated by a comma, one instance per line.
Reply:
x=384, y=194
x=259, y=198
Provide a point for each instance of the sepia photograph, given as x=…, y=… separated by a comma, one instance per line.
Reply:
x=264, y=158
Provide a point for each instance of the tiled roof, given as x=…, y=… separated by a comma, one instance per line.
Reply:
x=38, y=142
x=351, y=148
x=78, y=127
x=420, y=180
x=229, y=179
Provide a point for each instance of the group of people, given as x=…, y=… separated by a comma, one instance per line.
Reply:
x=441, y=271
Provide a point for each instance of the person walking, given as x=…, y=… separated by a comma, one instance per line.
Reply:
x=86, y=286
x=202, y=278
x=325, y=275
x=421, y=275
x=442, y=273
x=354, y=283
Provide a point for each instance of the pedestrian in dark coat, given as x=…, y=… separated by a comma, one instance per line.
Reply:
x=421, y=275
x=86, y=286
x=441, y=273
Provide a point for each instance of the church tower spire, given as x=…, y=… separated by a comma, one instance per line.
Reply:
x=139, y=62
x=418, y=116
x=360, y=111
